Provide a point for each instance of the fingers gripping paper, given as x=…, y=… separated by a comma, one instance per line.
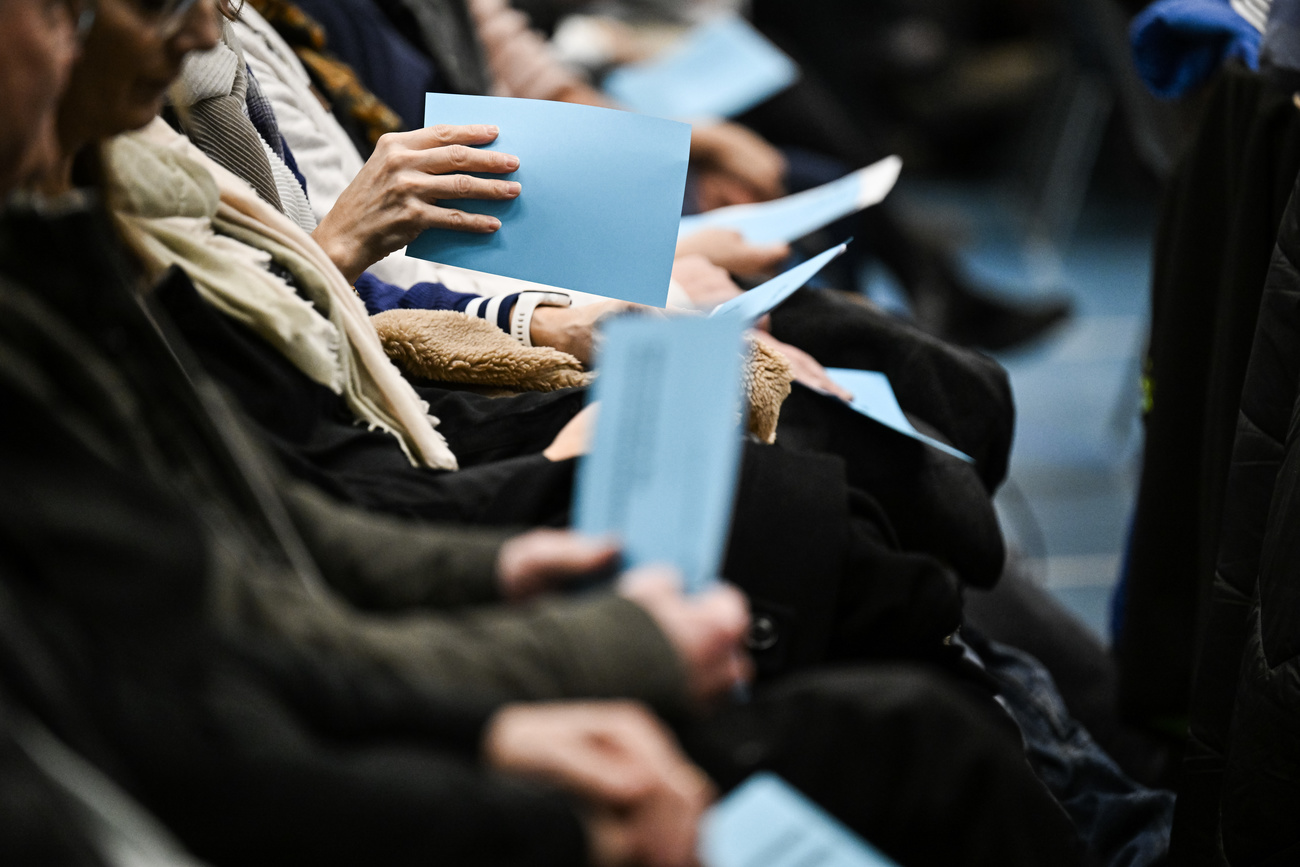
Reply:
x=600, y=200
x=764, y=299
x=794, y=216
x=661, y=475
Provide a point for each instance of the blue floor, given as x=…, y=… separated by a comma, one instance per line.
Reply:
x=1069, y=497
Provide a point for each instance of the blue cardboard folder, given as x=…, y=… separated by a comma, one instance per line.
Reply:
x=719, y=69
x=600, y=202
x=661, y=475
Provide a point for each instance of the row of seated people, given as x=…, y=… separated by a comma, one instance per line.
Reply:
x=253, y=586
x=798, y=138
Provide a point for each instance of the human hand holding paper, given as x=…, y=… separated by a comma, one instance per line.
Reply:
x=761, y=300
x=572, y=329
x=600, y=203
x=707, y=629
x=736, y=166
x=806, y=369
x=543, y=560
x=404, y=187
x=705, y=284
x=661, y=475
x=795, y=216
x=728, y=249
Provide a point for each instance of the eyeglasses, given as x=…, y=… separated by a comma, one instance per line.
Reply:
x=168, y=15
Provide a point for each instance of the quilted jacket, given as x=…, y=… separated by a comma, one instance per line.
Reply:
x=1241, y=790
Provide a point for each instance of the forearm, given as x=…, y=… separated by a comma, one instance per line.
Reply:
x=532, y=318
x=380, y=562
x=601, y=646
x=380, y=296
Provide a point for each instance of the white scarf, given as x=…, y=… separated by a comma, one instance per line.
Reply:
x=169, y=196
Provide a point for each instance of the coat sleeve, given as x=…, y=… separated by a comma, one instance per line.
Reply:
x=304, y=760
x=424, y=589
x=384, y=563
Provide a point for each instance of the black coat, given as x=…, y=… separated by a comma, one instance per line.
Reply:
x=256, y=752
x=878, y=527
x=1217, y=228
x=1241, y=791
x=251, y=750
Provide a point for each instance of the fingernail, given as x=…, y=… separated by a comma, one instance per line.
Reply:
x=512, y=163
x=494, y=223
x=489, y=129
x=513, y=188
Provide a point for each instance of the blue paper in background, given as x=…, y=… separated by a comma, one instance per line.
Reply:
x=763, y=299
x=874, y=397
x=719, y=69
x=790, y=218
x=661, y=474
x=600, y=202
x=765, y=822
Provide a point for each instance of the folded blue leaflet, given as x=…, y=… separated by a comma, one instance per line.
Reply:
x=874, y=397
x=718, y=69
x=661, y=473
x=764, y=299
x=766, y=822
x=790, y=218
x=600, y=201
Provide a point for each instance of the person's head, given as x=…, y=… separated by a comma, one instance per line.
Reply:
x=37, y=47
x=131, y=55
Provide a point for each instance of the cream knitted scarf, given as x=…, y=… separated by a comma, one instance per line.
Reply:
x=181, y=208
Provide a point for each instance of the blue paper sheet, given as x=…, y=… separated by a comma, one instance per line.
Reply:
x=600, y=201
x=719, y=69
x=765, y=822
x=661, y=474
x=763, y=299
x=790, y=218
x=874, y=397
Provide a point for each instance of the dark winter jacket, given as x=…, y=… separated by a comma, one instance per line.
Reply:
x=1241, y=790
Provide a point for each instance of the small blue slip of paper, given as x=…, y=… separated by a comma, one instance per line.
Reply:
x=874, y=397
x=719, y=69
x=763, y=299
x=600, y=199
x=792, y=217
x=766, y=822
x=661, y=474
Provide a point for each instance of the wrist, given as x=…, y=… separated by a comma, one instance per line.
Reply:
x=535, y=314
x=345, y=256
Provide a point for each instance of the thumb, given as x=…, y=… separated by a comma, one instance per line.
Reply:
x=728, y=611
x=651, y=582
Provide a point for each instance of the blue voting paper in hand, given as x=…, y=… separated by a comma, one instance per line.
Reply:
x=600, y=201
x=874, y=397
x=790, y=218
x=767, y=823
x=661, y=475
x=763, y=299
x=719, y=69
